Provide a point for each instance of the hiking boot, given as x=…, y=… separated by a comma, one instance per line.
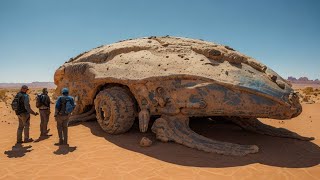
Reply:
x=28, y=140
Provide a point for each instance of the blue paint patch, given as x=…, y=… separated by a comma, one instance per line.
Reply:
x=194, y=99
x=216, y=87
x=262, y=100
x=259, y=86
x=202, y=92
x=229, y=97
x=151, y=97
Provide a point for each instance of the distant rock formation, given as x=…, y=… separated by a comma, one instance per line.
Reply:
x=303, y=80
x=49, y=85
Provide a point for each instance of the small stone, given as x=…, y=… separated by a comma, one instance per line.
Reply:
x=145, y=142
x=186, y=59
x=167, y=56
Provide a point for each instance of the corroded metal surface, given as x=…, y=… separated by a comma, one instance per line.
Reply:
x=177, y=77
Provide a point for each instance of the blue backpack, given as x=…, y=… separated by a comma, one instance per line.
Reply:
x=66, y=106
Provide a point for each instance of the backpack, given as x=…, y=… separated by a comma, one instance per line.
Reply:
x=39, y=100
x=66, y=106
x=17, y=102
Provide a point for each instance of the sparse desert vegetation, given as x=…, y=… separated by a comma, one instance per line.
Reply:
x=310, y=95
x=3, y=95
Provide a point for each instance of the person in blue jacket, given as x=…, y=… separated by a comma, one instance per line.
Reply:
x=64, y=106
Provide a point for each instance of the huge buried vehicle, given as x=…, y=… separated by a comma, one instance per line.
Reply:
x=176, y=78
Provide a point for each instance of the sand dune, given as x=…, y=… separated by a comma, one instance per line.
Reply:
x=93, y=154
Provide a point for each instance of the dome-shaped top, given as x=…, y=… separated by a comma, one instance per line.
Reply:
x=153, y=57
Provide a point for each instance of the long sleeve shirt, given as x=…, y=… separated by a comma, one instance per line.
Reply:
x=27, y=104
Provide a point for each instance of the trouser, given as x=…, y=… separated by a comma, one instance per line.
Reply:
x=44, y=117
x=24, y=125
x=62, y=126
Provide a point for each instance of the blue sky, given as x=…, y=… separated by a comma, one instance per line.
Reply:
x=37, y=36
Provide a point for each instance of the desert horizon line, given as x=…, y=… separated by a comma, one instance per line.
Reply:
x=288, y=78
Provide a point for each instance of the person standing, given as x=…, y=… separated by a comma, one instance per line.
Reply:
x=64, y=106
x=23, y=111
x=43, y=103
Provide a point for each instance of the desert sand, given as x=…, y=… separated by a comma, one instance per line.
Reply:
x=94, y=154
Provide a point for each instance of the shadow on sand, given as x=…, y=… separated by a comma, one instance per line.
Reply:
x=274, y=151
x=41, y=138
x=18, y=150
x=64, y=149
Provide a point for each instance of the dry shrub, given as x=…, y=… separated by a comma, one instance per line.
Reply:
x=308, y=90
x=306, y=99
x=3, y=94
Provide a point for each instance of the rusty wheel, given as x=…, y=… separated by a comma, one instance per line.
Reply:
x=115, y=110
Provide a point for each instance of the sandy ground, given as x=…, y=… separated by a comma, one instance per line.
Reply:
x=94, y=154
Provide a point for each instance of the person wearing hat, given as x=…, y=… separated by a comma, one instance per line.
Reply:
x=64, y=106
x=44, y=110
x=23, y=113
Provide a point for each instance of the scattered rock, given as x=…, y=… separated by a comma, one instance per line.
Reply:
x=145, y=142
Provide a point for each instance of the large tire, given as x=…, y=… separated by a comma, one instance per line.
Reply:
x=115, y=110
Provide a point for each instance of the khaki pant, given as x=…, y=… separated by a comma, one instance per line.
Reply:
x=62, y=126
x=44, y=116
x=24, y=125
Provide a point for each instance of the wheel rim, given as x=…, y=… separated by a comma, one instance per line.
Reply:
x=104, y=112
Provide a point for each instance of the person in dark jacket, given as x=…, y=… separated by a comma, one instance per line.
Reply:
x=23, y=113
x=62, y=116
x=44, y=110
